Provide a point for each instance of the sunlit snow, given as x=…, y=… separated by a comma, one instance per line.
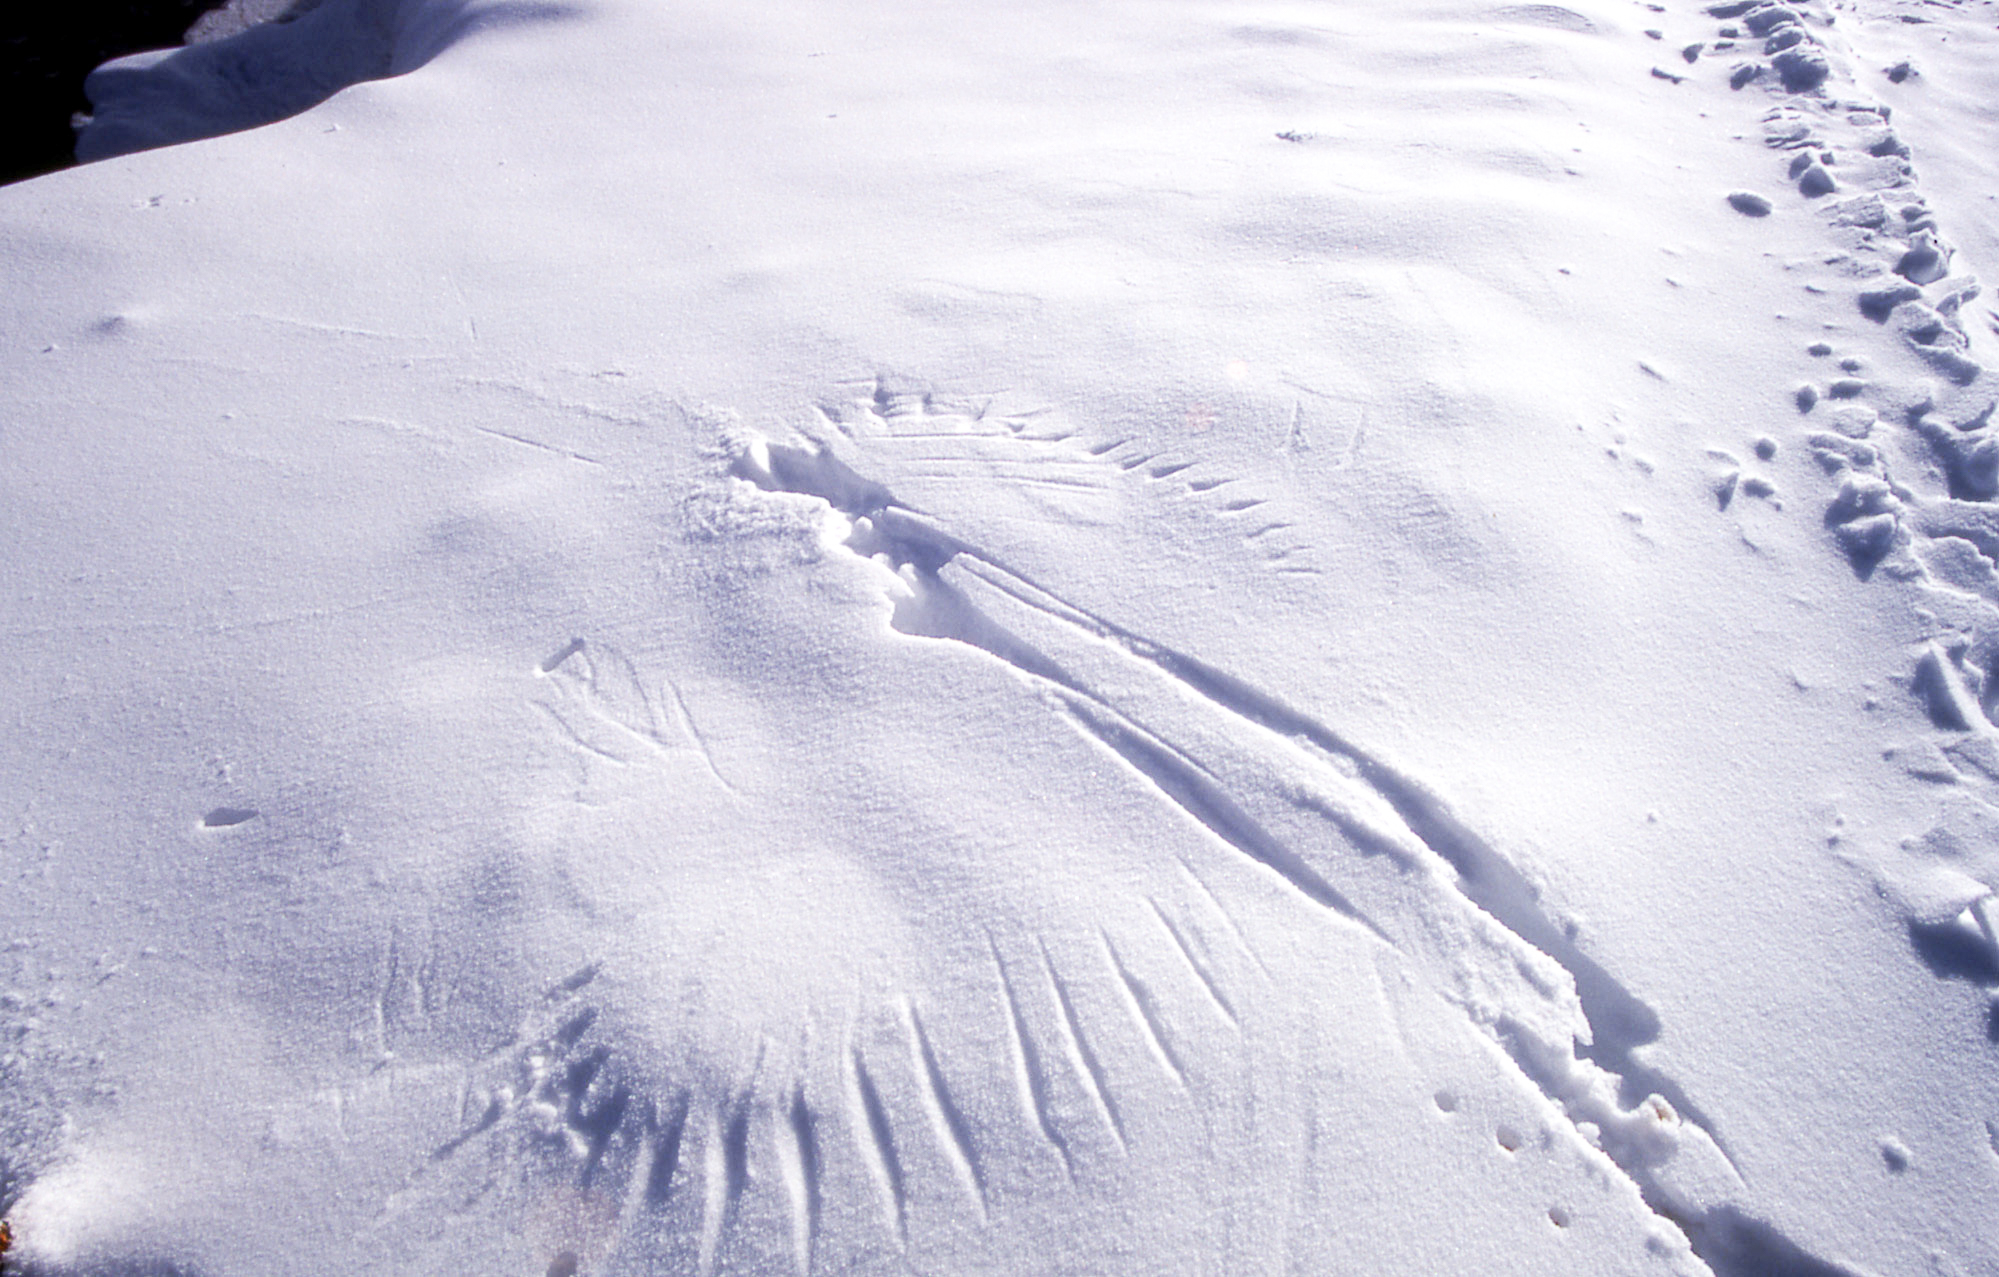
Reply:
x=1174, y=637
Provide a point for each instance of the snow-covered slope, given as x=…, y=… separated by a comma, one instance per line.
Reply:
x=1022, y=638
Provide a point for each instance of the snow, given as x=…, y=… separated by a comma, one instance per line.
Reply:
x=828, y=637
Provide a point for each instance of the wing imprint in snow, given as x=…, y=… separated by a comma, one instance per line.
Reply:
x=876, y=1138
x=1030, y=1073
x=947, y=1120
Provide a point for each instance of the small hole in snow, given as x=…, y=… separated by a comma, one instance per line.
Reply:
x=554, y=659
x=1509, y=1138
x=564, y=1265
x=1559, y=1216
x=224, y=817
x=1447, y=1102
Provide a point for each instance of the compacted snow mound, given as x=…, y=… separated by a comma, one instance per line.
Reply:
x=822, y=637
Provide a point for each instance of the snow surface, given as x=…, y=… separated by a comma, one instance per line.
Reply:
x=1038, y=638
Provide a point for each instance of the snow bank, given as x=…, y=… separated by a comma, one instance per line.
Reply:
x=270, y=71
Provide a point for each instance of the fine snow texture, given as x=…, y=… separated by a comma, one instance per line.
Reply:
x=822, y=637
